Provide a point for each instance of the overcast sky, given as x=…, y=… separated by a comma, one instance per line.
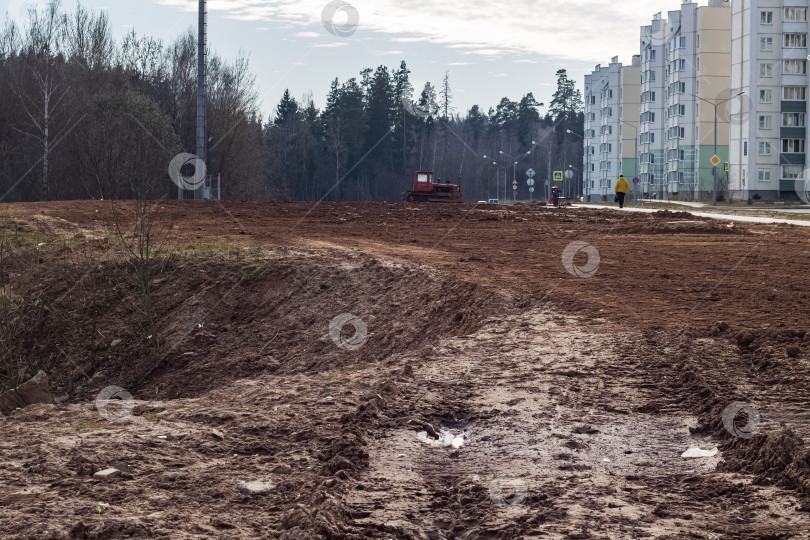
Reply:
x=492, y=49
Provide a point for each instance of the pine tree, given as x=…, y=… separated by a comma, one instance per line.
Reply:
x=528, y=119
x=403, y=90
x=566, y=104
x=287, y=110
x=447, y=110
x=477, y=122
x=380, y=107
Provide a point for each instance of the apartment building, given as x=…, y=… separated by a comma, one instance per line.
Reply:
x=652, y=108
x=769, y=63
x=698, y=77
x=611, y=102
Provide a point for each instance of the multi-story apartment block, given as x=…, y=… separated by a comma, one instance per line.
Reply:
x=698, y=76
x=611, y=99
x=768, y=63
x=652, y=120
x=684, y=58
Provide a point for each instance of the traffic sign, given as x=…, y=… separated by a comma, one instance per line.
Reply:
x=558, y=176
x=530, y=182
x=726, y=166
x=569, y=174
x=530, y=173
x=636, y=180
x=715, y=160
x=531, y=190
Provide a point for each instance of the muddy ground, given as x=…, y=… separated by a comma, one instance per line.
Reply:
x=572, y=355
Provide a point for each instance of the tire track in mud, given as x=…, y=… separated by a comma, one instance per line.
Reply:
x=716, y=373
x=567, y=434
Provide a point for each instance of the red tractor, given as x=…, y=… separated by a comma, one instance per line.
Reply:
x=428, y=189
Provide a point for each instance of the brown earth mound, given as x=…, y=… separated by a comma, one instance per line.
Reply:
x=583, y=390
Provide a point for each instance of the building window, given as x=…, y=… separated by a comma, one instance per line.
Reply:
x=764, y=122
x=766, y=96
x=793, y=146
x=765, y=70
x=766, y=17
x=791, y=172
x=795, y=67
x=764, y=148
x=795, y=93
x=766, y=44
x=795, y=41
x=793, y=119
x=764, y=175
x=795, y=14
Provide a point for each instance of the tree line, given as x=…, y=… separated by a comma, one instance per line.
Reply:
x=86, y=116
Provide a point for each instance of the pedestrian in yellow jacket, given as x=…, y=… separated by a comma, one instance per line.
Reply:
x=622, y=189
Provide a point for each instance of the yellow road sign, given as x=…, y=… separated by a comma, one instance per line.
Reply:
x=715, y=160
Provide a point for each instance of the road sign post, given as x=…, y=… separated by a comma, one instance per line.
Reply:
x=569, y=175
x=530, y=183
x=715, y=162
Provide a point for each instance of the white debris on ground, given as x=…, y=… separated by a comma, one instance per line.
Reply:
x=698, y=453
x=445, y=439
x=107, y=474
x=255, y=487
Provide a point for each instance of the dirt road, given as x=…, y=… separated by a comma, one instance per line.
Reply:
x=326, y=352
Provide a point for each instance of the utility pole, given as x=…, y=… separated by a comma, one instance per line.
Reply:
x=714, y=168
x=548, y=181
x=202, y=90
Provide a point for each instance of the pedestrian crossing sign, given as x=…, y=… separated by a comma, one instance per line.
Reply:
x=558, y=176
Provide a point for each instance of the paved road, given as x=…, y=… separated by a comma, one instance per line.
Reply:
x=725, y=217
x=738, y=208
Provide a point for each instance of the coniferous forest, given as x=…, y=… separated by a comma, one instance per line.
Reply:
x=84, y=115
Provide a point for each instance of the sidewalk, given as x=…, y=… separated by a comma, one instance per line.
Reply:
x=684, y=203
x=724, y=217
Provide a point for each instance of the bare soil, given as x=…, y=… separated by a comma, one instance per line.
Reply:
x=574, y=396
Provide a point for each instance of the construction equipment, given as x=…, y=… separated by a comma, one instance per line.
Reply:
x=427, y=188
x=557, y=199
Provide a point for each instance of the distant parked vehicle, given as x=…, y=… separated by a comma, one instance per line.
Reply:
x=482, y=202
x=493, y=201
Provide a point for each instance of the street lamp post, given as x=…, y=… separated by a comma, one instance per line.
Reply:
x=497, y=179
x=635, y=163
x=514, y=171
x=586, y=180
x=514, y=167
x=714, y=168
